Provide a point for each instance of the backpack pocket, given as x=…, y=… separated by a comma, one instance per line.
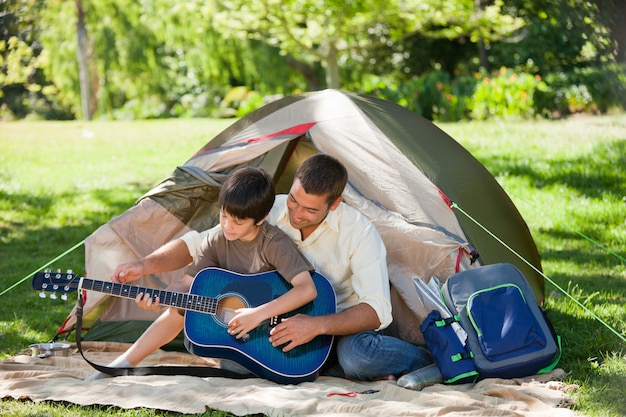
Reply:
x=452, y=355
x=504, y=323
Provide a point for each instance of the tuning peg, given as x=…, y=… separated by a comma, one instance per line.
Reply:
x=53, y=296
x=42, y=295
x=64, y=297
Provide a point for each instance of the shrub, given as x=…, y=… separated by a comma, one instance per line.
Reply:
x=505, y=94
x=434, y=95
x=594, y=90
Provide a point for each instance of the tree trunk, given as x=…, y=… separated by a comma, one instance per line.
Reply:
x=614, y=13
x=83, y=62
x=333, y=79
x=482, y=52
x=314, y=82
x=482, y=55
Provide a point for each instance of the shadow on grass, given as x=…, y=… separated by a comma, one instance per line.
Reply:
x=594, y=175
x=579, y=251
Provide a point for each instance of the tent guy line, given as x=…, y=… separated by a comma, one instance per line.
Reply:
x=581, y=305
x=600, y=245
x=29, y=276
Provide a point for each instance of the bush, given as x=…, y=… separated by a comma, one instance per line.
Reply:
x=434, y=95
x=505, y=94
x=594, y=90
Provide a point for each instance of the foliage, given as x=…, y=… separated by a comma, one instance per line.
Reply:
x=505, y=94
x=337, y=32
x=59, y=181
x=155, y=59
x=434, y=95
x=588, y=89
x=24, y=88
x=251, y=102
x=559, y=36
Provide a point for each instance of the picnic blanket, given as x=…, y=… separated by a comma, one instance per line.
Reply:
x=60, y=379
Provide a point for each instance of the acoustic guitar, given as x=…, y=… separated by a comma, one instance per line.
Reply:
x=210, y=304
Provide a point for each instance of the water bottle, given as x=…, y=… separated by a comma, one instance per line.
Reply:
x=421, y=378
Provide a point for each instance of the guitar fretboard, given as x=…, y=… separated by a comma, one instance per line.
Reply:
x=173, y=299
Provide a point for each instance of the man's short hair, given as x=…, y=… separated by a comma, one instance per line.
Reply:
x=322, y=174
x=248, y=193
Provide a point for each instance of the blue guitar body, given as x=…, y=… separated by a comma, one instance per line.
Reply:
x=207, y=334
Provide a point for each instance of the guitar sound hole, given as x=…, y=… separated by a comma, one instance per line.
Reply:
x=226, y=308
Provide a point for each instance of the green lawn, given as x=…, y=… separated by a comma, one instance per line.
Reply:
x=59, y=181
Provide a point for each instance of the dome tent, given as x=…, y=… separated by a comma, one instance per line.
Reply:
x=403, y=173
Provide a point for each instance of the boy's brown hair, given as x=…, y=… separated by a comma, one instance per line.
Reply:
x=248, y=193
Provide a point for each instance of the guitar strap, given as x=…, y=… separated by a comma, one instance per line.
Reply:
x=201, y=371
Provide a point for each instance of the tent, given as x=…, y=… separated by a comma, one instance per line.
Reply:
x=403, y=173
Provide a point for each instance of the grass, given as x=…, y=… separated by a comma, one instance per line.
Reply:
x=59, y=181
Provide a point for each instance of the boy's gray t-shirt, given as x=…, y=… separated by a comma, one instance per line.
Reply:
x=270, y=250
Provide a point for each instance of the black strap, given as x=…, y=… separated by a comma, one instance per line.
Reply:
x=201, y=371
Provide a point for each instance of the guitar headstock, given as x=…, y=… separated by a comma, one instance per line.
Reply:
x=55, y=282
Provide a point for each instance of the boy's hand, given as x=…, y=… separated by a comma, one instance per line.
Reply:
x=146, y=302
x=126, y=273
x=245, y=320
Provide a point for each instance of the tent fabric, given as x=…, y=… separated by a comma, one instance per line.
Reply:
x=403, y=173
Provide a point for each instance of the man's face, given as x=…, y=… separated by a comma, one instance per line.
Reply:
x=306, y=211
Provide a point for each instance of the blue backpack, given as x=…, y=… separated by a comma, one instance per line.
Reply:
x=505, y=334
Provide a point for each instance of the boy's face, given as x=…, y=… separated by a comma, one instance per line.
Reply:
x=238, y=229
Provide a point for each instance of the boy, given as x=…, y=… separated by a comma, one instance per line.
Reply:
x=244, y=243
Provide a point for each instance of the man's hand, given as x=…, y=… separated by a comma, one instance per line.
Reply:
x=294, y=331
x=300, y=329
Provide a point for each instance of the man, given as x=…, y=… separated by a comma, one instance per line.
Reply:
x=346, y=248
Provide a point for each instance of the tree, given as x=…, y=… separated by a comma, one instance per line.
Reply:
x=21, y=79
x=83, y=58
x=559, y=35
x=152, y=59
x=613, y=13
x=334, y=32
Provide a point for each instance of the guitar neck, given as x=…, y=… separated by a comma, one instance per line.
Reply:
x=168, y=298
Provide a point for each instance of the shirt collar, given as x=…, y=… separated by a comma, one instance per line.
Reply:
x=333, y=216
